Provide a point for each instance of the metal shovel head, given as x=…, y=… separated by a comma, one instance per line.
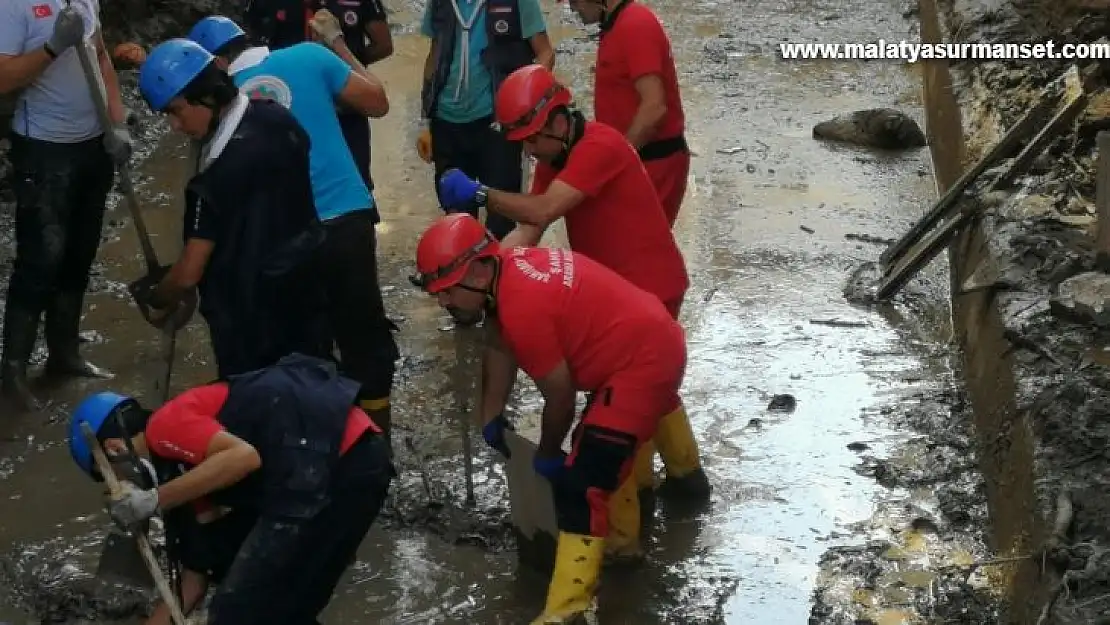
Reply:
x=120, y=561
x=533, y=504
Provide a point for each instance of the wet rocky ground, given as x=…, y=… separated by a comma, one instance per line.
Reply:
x=858, y=502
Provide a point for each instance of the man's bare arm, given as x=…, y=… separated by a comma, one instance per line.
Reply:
x=537, y=210
x=111, y=81
x=18, y=71
x=381, y=41
x=541, y=47
x=650, y=112
x=498, y=373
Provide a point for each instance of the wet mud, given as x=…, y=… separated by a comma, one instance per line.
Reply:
x=1038, y=373
x=855, y=500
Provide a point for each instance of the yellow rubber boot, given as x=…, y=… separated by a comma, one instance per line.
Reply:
x=676, y=444
x=645, y=466
x=573, y=586
x=644, y=472
x=623, y=544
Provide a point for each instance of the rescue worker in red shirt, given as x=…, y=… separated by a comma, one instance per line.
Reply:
x=588, y=174
x=303, y=471
x=636, y=91
x=573, y=325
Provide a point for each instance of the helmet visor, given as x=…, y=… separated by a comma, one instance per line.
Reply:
x=530, y=123
x=443, y=277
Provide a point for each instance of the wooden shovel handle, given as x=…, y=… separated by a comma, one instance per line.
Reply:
x=115, y=491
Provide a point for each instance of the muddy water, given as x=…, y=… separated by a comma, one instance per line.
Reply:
x=764, y=230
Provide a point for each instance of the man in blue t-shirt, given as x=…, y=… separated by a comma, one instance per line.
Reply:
x=475, y=45
x=309, y=80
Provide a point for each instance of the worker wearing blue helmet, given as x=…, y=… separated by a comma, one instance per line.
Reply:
x=250, y=230
x=267, y=484
x=311, y=81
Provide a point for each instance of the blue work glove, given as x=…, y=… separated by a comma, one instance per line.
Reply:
x=494, y=433
x=551, y=467
x=457, y=190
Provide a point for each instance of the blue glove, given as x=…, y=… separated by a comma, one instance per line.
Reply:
x=457, y=190
x=494, y=433
x=551, y=468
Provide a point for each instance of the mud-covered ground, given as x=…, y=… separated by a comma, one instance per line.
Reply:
x=1040, y=233
x=862, y=504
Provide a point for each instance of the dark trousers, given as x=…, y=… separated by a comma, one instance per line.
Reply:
x=356, y=132
x=287, y=569
x=481, y=153
x=60, y=192
x=363, y=333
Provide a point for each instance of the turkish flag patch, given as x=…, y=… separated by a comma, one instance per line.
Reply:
x=42, y=11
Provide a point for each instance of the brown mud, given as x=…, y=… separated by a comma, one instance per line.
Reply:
x=1038, y=380
x=863, y=504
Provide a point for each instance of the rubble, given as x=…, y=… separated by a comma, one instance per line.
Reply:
x=1054, y=307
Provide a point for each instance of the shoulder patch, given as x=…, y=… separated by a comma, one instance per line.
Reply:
x=267, y=87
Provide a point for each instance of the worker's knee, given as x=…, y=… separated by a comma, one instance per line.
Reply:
x=601, y=459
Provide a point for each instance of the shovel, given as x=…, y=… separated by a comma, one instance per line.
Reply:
x=532, y=502
x=141, y=540
x=121, y=561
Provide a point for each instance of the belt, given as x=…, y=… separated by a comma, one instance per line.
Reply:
x=662, y=148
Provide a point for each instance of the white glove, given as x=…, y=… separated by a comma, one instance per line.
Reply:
x=118, y=145
x=134, y=506
x=69, y=30
x=326, y=26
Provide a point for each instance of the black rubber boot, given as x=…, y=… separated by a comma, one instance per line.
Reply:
x=20, y=331
x=691, y=488
x=383, y=417
x=63, y=325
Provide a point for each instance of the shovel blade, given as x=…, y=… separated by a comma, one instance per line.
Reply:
x=120, y=561
x=533, y=505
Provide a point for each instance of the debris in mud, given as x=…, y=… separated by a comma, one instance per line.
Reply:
x=883, y=128
x=861, y=287
x=840, y=323
x=868, y=238
x=782, y=403
x=42, y=580
x=1085, y=297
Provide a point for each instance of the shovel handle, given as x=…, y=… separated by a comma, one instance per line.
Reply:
x=115, y=490
x=127, y=189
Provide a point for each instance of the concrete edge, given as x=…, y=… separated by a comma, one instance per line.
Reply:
x=1005, y=438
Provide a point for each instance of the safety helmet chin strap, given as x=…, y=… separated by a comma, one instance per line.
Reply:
x=576, y=126
x=608, y=16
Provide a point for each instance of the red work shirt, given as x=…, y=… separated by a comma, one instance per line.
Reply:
x=636, y=45
x=183, y=427
x=620, y=223
x=555, y=305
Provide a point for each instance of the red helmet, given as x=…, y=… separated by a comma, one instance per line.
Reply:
x=447, y=248
x=526, y=99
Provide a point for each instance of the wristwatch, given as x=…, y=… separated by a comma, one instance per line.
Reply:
x=481, y=195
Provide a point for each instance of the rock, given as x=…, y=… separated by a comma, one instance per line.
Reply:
x=1028, y=207
x=878, y=128
x=1079, y=206
x=1085, y=297
x=782, y=403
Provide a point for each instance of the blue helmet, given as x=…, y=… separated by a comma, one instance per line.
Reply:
x=214, y=32
x=169, y=68
x=95, y=410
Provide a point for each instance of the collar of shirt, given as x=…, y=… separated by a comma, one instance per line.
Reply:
x=249, y=58
x=227, y=127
